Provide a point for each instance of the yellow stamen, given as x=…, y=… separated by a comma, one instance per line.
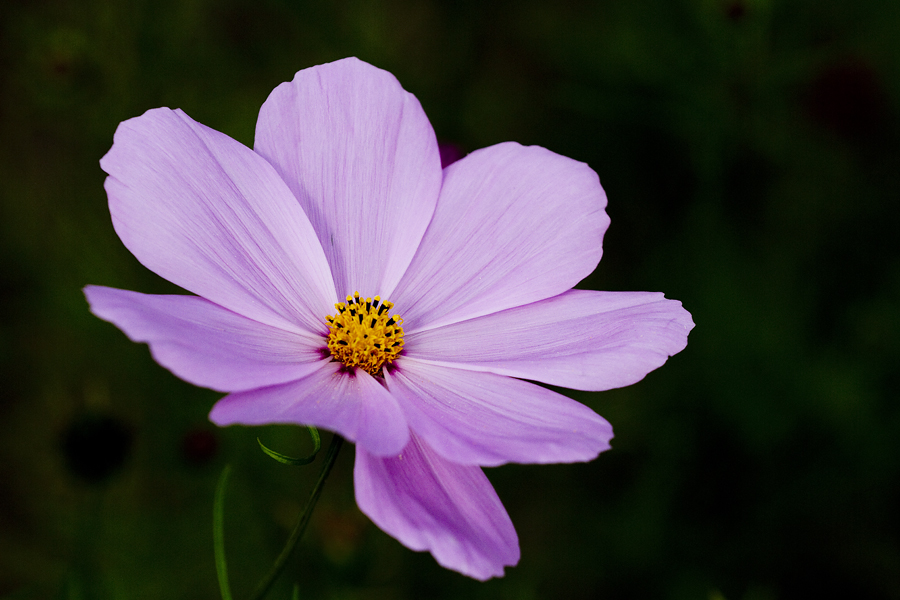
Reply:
x=363, y=333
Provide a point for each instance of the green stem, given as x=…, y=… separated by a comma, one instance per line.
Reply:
x=267, y=581
x=219, y=533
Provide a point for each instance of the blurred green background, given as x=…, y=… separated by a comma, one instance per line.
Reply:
x=751, y=153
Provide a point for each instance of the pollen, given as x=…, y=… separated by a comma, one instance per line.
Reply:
x=363, y=334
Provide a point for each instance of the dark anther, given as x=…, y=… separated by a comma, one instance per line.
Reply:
x=390, y=321
x=382, y=309
x=395, y=344
x=342, y=342
x=374, y=320
x=360, y=318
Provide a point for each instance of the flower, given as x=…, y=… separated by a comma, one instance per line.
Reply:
x=343, y=192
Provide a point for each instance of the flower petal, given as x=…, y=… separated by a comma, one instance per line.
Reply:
x=352, y=404
x=206, y=344
x=580, y=339
x=208, y=214
x=360, y=155
x=513, y=225
x=479, y=418
x=429, y=503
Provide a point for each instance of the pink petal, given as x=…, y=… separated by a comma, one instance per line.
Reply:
x=478, y=418
x=429, y=503
x=352, y=404
x=581, y=339
x=513, y=225
x=208, y=214
x=362, y=158
x=206, y=344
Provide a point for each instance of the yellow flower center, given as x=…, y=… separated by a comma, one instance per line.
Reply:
x=363, y=333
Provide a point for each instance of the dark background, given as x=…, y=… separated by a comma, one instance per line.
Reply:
x=751, y=153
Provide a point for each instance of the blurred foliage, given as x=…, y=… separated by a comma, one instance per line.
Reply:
x=751, y=153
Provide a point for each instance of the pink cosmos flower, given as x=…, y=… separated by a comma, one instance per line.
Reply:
x=343, y=193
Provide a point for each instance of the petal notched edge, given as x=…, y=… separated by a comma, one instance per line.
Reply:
x=361, y=157
x=206, y=344
x=213, y=217
x=429, y=503
x=480, y=418
x=580, y=339
x=513, y=225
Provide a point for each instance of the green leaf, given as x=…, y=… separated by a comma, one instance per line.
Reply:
x=219, y=533
x=296, y=462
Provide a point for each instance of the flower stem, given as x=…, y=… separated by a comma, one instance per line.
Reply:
x=219, y=534
x=302, y=521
